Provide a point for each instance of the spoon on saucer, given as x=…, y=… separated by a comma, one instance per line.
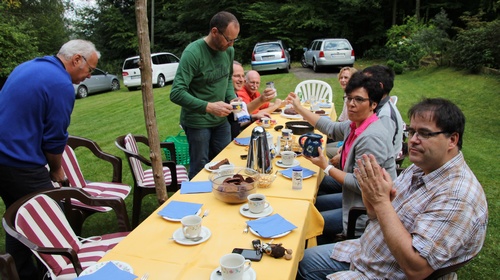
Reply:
x=194, y=239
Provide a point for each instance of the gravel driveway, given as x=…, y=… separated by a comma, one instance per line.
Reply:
x=307, y=73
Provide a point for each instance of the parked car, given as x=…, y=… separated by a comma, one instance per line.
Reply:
x=99, y=81
x=268, y=56
x=164, y=66
x=328, y=52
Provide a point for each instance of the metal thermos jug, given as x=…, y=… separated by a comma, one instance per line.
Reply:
x=259, y=156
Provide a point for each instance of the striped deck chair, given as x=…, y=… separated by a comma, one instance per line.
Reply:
x=143, y=179
x=97, y=189
x=39, y=223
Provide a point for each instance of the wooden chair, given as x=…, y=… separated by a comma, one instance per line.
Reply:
x=97, y=189
x=315, y=89
x=8, y=269
x=144, y=184
x=38, y=222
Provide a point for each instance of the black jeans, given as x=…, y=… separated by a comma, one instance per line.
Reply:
x=14, y=184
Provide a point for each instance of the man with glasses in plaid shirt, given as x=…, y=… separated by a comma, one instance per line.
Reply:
x=434, y=215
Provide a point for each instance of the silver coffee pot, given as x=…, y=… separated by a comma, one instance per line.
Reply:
x=259, y=157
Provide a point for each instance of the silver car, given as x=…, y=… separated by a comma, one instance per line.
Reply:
x=328, y=52
x=269, y=56
x=99, y=81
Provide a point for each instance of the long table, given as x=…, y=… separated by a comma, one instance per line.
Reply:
x=148, y=248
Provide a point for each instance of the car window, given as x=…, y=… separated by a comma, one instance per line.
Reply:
x=268, y=48
x=317, y=45
x=172, y=59
x=155, y=59
x=131, y=63
x=97, y=72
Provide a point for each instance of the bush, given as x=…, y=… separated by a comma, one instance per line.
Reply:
x=477, y=46
x=398, y=68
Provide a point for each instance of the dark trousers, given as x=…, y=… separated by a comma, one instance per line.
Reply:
x=14, y=184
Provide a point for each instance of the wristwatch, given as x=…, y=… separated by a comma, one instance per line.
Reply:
x=327, y=170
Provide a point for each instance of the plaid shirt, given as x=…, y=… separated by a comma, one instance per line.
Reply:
x=445, y=212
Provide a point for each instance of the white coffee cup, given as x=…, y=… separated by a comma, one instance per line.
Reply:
x=191, y=226
x=257, y=203
x=286, y=133
x=237, y=106
x=233, y=266
x=266, y=122
x=287, y=157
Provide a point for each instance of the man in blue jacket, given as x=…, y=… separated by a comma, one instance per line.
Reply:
x=35, y=108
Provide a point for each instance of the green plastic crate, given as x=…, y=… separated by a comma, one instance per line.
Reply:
x=181, y=148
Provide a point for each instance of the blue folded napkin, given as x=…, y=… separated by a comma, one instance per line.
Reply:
x=305, y=172
x=245, y=141
x=271, y=226
x=108, y=271
x=179, y=209
x=325, y=105
x=196, y=187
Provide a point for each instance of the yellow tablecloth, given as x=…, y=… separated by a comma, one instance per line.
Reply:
x=148, y=247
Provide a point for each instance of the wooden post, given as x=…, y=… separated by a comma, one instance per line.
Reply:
x=148, y=99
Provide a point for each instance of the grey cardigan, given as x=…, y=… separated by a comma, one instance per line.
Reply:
x=375, y=140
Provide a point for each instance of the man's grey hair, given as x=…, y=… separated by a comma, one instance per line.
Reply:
x=78, y=46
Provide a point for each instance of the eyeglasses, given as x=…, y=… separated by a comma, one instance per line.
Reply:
x=90, y=67
x=422, y=134
x=357, y=99
x=227, y=39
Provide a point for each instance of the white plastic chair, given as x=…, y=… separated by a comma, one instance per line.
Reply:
x=315, y=89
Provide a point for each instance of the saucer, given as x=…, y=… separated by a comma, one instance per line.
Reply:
x=210, y=164
x=267, y=211
x=279, y=163
x=248, y=275
x=93, y=268
x=178, y=237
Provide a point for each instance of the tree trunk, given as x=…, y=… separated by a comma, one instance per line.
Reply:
x=417, y=10
x=148, y=99
x=394, y=11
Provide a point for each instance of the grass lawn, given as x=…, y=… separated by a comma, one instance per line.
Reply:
x=103, y=117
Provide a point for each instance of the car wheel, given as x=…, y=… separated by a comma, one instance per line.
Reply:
x=315, y=66
x=287, y=69
x=303, y=62
x=115, y=85
x=161, y=81
x=82, y=92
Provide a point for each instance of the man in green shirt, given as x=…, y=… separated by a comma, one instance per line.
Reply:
x=203, y=87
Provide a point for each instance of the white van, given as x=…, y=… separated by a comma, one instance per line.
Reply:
x=164, y=68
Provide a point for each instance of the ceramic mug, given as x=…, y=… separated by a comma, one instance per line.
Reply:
x=191, y=226
x=266, y=122
x=257, y=203
x=237, y=106
x=287, y=157
x=233, y=266
x=286, y=133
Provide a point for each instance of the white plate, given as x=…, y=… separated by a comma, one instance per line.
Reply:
x=298, y=116
x=179, y=236
x=250, y=274
x=274, y=236
x=208, y=165
x=178, y=220
x=280, y=164
x=267, y=211
x=93, y=268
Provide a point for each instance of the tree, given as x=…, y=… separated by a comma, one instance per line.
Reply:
x=17, y=42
